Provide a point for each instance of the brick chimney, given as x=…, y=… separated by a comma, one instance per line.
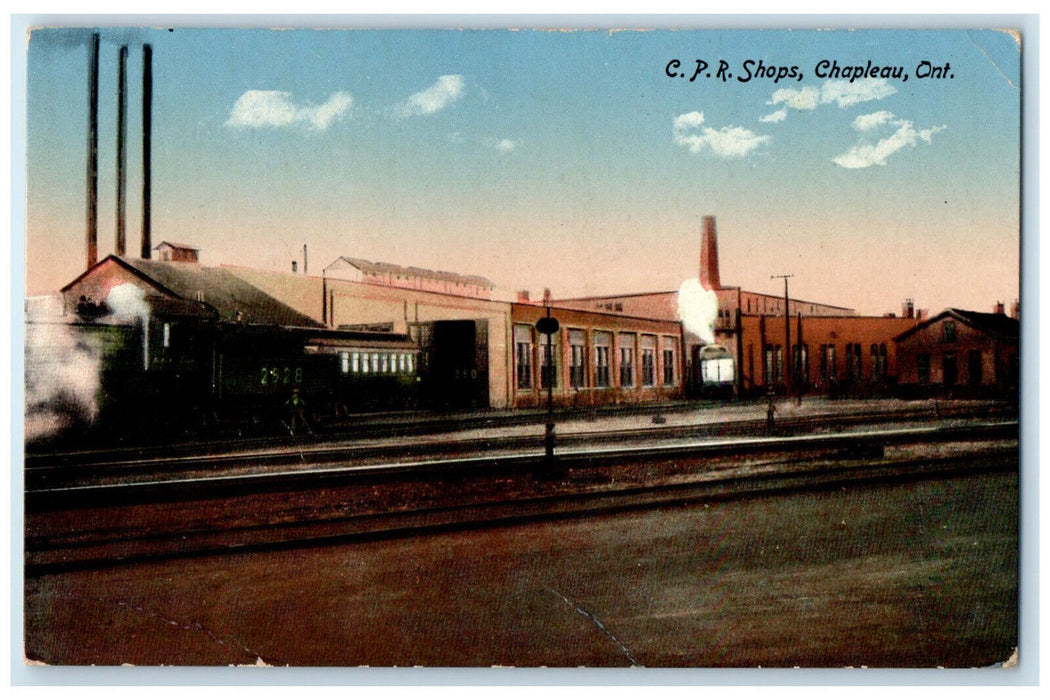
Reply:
x=709, y=278
x=1000, y=308
x=546, y=296
x=523, y=296
x=908, y=308
x=1015, y=309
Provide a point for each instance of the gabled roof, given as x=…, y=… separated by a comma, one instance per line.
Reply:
x=380, y=268
x=230, y=297
x=997, y=325
x=179, y=246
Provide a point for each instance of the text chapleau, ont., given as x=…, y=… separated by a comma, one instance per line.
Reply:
x=829, y=69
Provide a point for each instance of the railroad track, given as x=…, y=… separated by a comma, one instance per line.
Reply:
x=105, y=524
x=71, y=469
x=401, y=425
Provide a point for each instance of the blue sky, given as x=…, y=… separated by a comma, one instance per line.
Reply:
x=570, y=160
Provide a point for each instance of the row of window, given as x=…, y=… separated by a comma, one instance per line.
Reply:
x=828, y=370
x=601, y=351
x=361, y=362
x=950, y=368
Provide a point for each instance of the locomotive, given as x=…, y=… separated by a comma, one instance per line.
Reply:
x=152, y=376
x=713, y=371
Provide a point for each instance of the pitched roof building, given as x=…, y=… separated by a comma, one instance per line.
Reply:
x=959, y=350
x=390, y=275
x=179, y=289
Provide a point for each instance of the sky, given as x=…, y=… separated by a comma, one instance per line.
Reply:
x=582, y=161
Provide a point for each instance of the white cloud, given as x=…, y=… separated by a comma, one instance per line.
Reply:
x=688, y=120
x=866, y=154
x=777, y=116
x=274, y=108
x=839, y=92
x=867, y=122
x=803, y=98
x=846, y=94
x=504, y=145
x=441, y=94
x=728, y=142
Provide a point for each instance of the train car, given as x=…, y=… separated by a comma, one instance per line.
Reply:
x=373, y=371
x=713, y=371
x=157, y=375
x=453, y=363
x=267, y=373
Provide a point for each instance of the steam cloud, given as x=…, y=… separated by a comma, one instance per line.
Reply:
x=698, y=309
x=63, y=366
x=127, y=303
x=61, y=374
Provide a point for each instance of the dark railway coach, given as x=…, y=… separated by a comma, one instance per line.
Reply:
x=157, y=375
x=454, y=363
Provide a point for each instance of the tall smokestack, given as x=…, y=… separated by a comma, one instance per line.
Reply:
x=709, y=278
x=122, y=155
x=92, y=164
x=147, y=133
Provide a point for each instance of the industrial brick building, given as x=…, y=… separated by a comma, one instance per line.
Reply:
x=598, y=358
x=960, y=352
x=840, y=352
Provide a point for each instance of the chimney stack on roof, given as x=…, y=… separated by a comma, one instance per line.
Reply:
x=1015, y=310
x=908, y=308
x=1000, y=308
x=523, y=296
x=709, y=278
x=546, y=296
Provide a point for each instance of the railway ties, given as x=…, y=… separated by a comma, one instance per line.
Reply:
x=486, y=435
x=92, y=525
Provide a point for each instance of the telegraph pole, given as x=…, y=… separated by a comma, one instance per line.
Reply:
x=787, y=335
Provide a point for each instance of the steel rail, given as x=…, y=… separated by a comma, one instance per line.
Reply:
x=56, y=557
x=214, y=486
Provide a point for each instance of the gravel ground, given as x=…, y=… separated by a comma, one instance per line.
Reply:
x=910, y=575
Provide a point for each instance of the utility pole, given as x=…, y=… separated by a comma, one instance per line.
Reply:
x=548, y=326
x=803, y=362
x=787, y=335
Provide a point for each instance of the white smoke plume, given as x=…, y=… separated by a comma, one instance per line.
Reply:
x=126, y=302
x=61, y=373
x=63, y=363
x=698, y=309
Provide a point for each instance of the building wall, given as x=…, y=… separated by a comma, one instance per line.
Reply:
x=996, y=360
x=354, y=303
x=409, y=278
x=587, y=329
x=664, y=305
x=842, y=333
x=658, y=305
x=96, y=285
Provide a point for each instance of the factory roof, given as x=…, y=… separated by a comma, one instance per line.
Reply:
x=185, y=286
x=383, y=268
x=997, y=325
